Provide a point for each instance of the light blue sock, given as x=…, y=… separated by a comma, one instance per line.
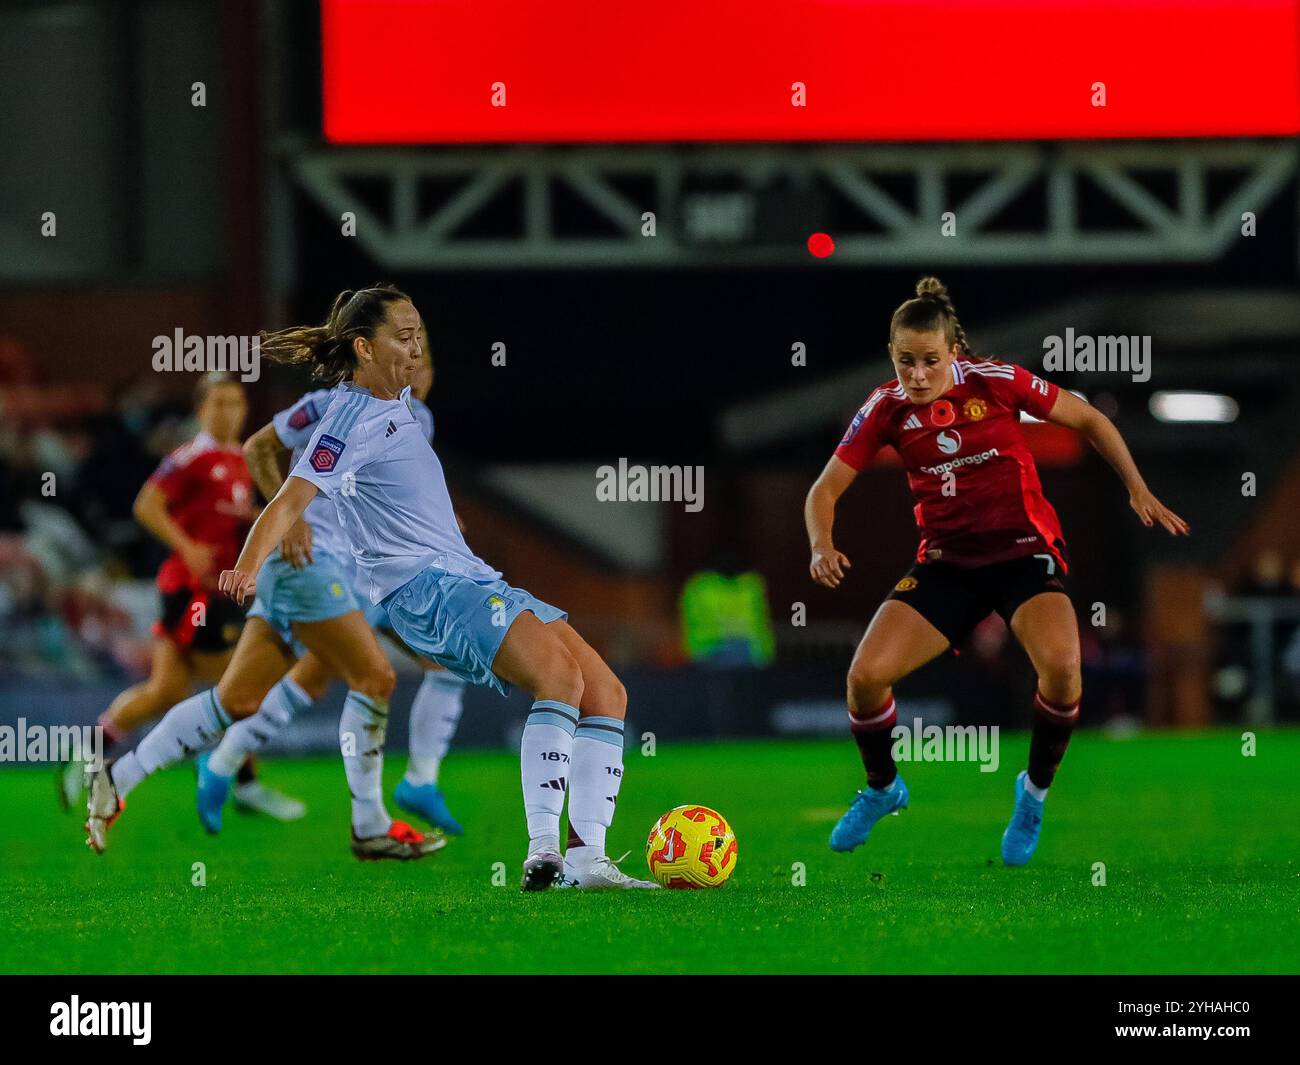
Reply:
x=435, y=713
x=363, y=727
x=253, y=733
x=188, y=728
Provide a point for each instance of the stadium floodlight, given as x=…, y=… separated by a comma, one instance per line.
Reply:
x=1193, y=407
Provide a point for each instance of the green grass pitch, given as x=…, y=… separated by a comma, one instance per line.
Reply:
x=1201, y=848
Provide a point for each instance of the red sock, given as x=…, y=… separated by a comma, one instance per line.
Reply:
x=1053, y=725
x=875, y=741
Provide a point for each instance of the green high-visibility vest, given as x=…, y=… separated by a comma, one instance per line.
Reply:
x=719, y=610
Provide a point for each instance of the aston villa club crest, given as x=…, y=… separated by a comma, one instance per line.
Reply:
x=941, y=412
x=326, y=455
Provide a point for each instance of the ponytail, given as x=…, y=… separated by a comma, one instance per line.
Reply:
x=328, y=347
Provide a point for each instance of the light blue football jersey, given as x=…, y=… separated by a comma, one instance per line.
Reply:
x=295, y=426
x=373, y=459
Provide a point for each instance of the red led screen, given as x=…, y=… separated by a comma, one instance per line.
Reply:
x=405, y=71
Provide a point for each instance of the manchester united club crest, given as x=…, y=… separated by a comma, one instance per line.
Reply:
x=975, y=409
x=905, y=585
x=941, y=412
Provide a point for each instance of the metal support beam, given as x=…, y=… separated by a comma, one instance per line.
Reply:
x=692, y=187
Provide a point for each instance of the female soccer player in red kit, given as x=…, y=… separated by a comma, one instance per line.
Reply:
x=199, y=503
x=989, y=541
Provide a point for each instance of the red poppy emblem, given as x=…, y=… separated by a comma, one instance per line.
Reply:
x=941, y=412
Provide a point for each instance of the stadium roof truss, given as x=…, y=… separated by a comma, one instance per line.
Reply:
x=1025, y=203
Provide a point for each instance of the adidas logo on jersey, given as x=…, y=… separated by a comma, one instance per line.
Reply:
x=913, y=422
x=391, y=430
x=557, y=783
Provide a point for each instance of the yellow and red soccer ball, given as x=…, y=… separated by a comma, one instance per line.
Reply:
x=691, y=847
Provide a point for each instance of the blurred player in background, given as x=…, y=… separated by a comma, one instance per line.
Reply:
x=199, y=503
x=319, y=549
x=990, y=541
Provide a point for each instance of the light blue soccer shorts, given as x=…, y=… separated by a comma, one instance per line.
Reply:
x=318, y=592
x=460, y=622
x=376, y=615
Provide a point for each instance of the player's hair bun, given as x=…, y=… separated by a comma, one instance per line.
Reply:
x=931, y=288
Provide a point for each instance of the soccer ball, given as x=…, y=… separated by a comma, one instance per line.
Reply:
x=691, y=847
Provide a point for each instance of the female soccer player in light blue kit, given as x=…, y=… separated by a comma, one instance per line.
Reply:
x=312, y=577
x=370, y=458
x=306, y=600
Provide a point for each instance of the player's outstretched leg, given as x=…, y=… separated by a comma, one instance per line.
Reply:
x=346, y=645
x=189, y=727
x=898, y=641
x=556, y=665
x=1053, y=725
x=596, y=772
x=363, y=727
x=885, y=793
x=435, y=713
x=186, y=729
x=545, y=756
x=1046, y=627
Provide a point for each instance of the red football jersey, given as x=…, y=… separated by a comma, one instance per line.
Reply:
x=209, y=494
x=978, y=497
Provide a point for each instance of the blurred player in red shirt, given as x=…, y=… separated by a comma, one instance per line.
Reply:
x=990, y=541
x=199, y=502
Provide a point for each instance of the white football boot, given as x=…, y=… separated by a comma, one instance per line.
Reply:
x=544, y=866
x=255, y=797
x=102, y=808
x=71, y=783
x=599, y=873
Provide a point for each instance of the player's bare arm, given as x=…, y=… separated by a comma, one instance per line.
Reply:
x=150, y=510
x=1073, y=413
x=828, y=565
x=269, y=529
x=267, y=458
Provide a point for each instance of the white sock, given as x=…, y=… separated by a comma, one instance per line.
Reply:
x=594, y=782
x=187, y=728
x=1033, y=789
x=251, y=734
x=435, y=713
x=544, y=756
x=362, y=728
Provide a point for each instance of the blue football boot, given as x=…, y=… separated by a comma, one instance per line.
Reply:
x=210, y=795
x=426, y=801
x=870, y=806
x=1021, y=837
